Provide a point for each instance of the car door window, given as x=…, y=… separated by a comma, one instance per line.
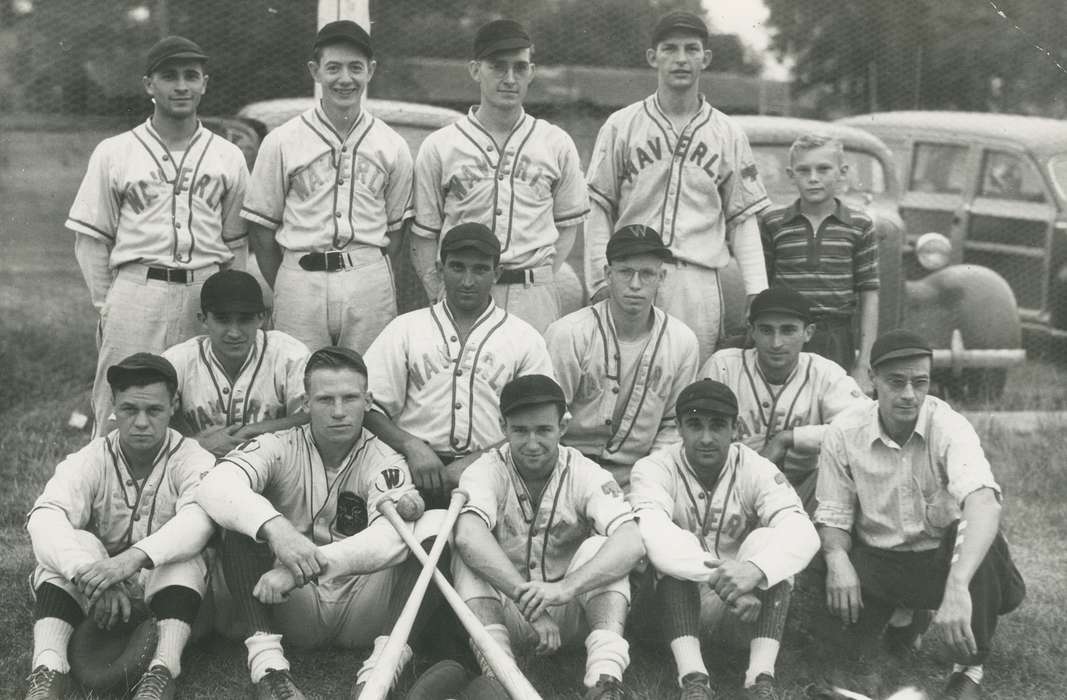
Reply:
x=938, y=168
x=1010, y=176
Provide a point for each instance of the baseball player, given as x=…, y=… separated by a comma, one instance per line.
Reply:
x=155, y=216
x=498, y=166
x=675, y=163
x=786, y=397
x=329, y=195
x=437, y=373
x=715, y=512
x=237, y=381
x=117, y=524
x=305, y=554
x=546, y=541
x=622, y=361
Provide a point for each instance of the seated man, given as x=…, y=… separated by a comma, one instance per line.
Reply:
x=117, y=522
x=305, y=554
x=785, y=397
x=909, y=514
x=622, y=361
x=717, y=513
x=238, y=381
x=436, y=373
x=546, y=541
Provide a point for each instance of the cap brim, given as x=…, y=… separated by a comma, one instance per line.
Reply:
x=781, y=310
x=708, y=406
x=630, y=251
x=480, y=246
x=509, y=44
x=533, y=400
x=241, y=307
x=359, y=44
x=901, y=353
x=184, y=56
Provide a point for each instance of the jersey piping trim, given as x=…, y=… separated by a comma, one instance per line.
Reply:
x=259, y=217
x=416, y=225
x=576, y=218
x=511, y=179
x=603, y=200
x=647, y=359
x=745, y=212
x=91, y=229
x=352, y=181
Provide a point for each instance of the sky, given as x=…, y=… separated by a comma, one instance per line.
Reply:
x=747, y=18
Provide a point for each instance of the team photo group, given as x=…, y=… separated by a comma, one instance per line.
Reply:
x=490, y=476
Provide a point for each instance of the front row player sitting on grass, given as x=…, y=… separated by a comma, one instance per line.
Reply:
x=909, y=513
x=714, y=512
x=117, y=522
x=305, y=553
x=546, y=541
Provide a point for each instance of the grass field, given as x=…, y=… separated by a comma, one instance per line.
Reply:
x=46, y=366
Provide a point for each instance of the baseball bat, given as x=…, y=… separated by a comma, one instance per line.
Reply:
x=504, y=667
x=381, y=676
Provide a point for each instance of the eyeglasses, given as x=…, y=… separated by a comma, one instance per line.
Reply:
x=500, y=69
x=626, y=274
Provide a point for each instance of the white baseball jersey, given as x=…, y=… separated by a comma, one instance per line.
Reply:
x=619, y=414
x=96, y=492
x=321, y=191
x=749, y=493
x=270, y=384
x=692, y=187
x=579, y=500
x=447, y=392
x=157, y=207
x=816, y=391
x=524, y=190
x=288, y=478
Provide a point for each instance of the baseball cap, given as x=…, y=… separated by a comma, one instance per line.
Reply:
x=233, y=291
x=172, y=48
x=471, y=235
x=781, y=300
x=344, y=31
x=530, y=390
x=706, y=396
x=679, y=21
x=142, y=364
x=636, y=239
x=500, y=35
x=898, y=343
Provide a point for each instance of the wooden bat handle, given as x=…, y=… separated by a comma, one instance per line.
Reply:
x=380, y=679
x=504, y=667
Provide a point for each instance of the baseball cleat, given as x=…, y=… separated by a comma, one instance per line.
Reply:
x=278, y=685
x=762, y=689
x=607, y=688
x=156, y=684
x=47, y=684
x=961, y=687
x=696, y=686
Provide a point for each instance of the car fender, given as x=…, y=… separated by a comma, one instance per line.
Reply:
x=971, y=298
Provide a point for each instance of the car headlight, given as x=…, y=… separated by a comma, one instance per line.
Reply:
x=933, y=251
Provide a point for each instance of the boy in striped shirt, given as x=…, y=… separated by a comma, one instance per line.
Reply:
x=827, y=252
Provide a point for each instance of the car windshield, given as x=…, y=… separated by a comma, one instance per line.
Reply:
x=1057, y=165
x=866, y=174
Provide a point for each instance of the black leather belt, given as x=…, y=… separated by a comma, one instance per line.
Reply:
x=447, y=457
x=519, y=276
x=167, y=275
x=326, y=262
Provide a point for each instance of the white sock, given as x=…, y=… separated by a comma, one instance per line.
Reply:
x=173, y=635
x=265, y=653
x=376, y=654
x=762, y=655
x=901, y=617
x=51, y=636
x=975, y=673
x=687, y=657
x=606, y=653
x=500, y=635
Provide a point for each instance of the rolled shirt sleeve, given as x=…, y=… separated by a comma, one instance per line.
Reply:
x=482, y=482
x=835, y=489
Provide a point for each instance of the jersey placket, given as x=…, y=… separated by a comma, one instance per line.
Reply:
x=464, y=374
x=672, y=191
x=141, y=497
x=322, y=514
x=503, y=168
x=181, y=191
x=541, y=516
x=342, y=157
x=635, y=397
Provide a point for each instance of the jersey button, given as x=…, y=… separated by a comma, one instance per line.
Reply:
x=700, y=495
x=766, y=405
x=615, y=390
x=129, y=482
x=166, y=157
x=344, y=149
x=489, y=147
x=340, y=183
x=137, y=516
x=177, y=224
x=459, y=406
x=337, y=214
x=499, y=212
x=607, y=422
x=225, y=389
x=459, y=373
x=454, y=339
x=533, y=565
x=500, y=176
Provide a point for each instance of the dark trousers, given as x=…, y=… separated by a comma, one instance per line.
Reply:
x=833, y=340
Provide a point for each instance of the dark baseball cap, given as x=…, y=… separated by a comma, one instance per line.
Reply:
x=500, y=35
x=141, y=365
x=679, y=21
x=231, y=291
x=706, y=396
x=531, y=390
x=899, y=343
x=344, y=31
x=471, y=235
x=172, y=48
x=636, y=239
x=781, y=300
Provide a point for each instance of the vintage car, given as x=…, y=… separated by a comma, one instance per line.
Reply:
x=967, y=311
x=996, y=186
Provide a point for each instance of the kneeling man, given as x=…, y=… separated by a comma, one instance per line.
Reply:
x=305, y=554
x=117, y=523
x=715, y=512
x=546, y=541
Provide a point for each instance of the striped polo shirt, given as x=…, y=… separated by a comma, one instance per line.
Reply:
x=829, y=266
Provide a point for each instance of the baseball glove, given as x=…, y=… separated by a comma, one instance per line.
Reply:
x=108, y=660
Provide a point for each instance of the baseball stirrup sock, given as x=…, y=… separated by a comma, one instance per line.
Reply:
x=679, y=605
x=975, y=673
x=376, y=654
x=606, y=653
x=265, y=653
x=499, y=633
x=774, y=609
x=762, y=655
x=173, y=636
x=50, y=639
x=687, y=657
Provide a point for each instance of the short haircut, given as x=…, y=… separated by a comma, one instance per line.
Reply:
x=334, y=358
x=316, y=55
x=809, y=142
x=141, y=378
x=561, y=409
x=444, y=254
